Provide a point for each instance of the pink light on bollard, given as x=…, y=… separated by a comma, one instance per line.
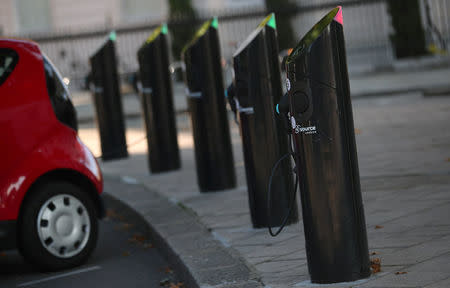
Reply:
x=338, y=18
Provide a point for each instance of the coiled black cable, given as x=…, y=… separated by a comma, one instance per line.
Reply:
x=269, y=192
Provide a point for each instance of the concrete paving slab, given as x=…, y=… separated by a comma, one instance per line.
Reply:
x=419, y=253
x=418, y=275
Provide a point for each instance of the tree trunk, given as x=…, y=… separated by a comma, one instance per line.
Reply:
x=408, y=38
x=284, y=28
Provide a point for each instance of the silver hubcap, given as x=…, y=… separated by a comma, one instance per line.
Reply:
x=63, y=226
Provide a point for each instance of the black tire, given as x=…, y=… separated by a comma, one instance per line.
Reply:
x=31, y=246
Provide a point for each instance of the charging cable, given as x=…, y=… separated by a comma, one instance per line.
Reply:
x=269, y=192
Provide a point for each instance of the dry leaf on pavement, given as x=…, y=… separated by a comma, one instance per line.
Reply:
x=166, y=269
x=379, y=227
x=112, y=214
x=375, y=264
x=123, y=227
x=137, y=238
x=148, y=245
x=401, y=273
x=127, y=226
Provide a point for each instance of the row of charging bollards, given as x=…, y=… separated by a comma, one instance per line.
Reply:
x=313, y=123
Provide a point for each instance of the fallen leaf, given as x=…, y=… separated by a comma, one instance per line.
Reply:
x=401, y=273
x=148, y=245
x=137, y=238
x=375, y=264
x=112, y=214
x=447, y=160
x=126, y=253
x=373, y=253
x=358, y=131
x=167, y=270
x=379, y=227
x=127, y=226
x=123, y=227
x=2, y=254
x=178, y=285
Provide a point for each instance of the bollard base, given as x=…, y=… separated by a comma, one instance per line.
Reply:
x=165, y=169
x=116, y=156
x=336, y=280
x=349, y=283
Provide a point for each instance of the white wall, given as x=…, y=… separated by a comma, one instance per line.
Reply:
x=79, y=15
x=83, y=14
x=143, y=10
x=203, y=6
x=7, y=17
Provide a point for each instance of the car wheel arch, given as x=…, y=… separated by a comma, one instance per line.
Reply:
x=72, y=176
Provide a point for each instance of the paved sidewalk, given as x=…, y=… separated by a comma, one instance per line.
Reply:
x=404, y=159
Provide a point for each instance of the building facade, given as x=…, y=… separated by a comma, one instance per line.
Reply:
x=27, y=17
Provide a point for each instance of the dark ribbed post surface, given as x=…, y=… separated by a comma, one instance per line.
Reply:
x=157, y=102
x=333, y=214
x=108, y=103
x=264, y=140
x=206, y=101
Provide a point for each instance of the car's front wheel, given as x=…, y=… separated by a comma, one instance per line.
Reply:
x=59, y=227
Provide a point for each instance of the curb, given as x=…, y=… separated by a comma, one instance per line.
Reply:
x=191, y=250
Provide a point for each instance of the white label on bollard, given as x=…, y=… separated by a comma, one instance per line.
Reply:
x=246, y=110
x=288, y=84
x=305, y=130
x=193, y=94
x=95, y=89
x=147, y=90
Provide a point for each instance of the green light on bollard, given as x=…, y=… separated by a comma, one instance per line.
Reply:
x=269, y=21
x=113, y=36
x=164, y=28
x=272, y=22
x=215, y=23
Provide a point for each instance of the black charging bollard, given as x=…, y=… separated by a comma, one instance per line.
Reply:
x=105, y=89
x=206, y=101
x=322, y=122
x=264, y=140
x=157, y=102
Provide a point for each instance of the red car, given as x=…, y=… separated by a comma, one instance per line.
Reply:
x=50, y=183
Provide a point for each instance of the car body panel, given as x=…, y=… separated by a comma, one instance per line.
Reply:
x=33, y=141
